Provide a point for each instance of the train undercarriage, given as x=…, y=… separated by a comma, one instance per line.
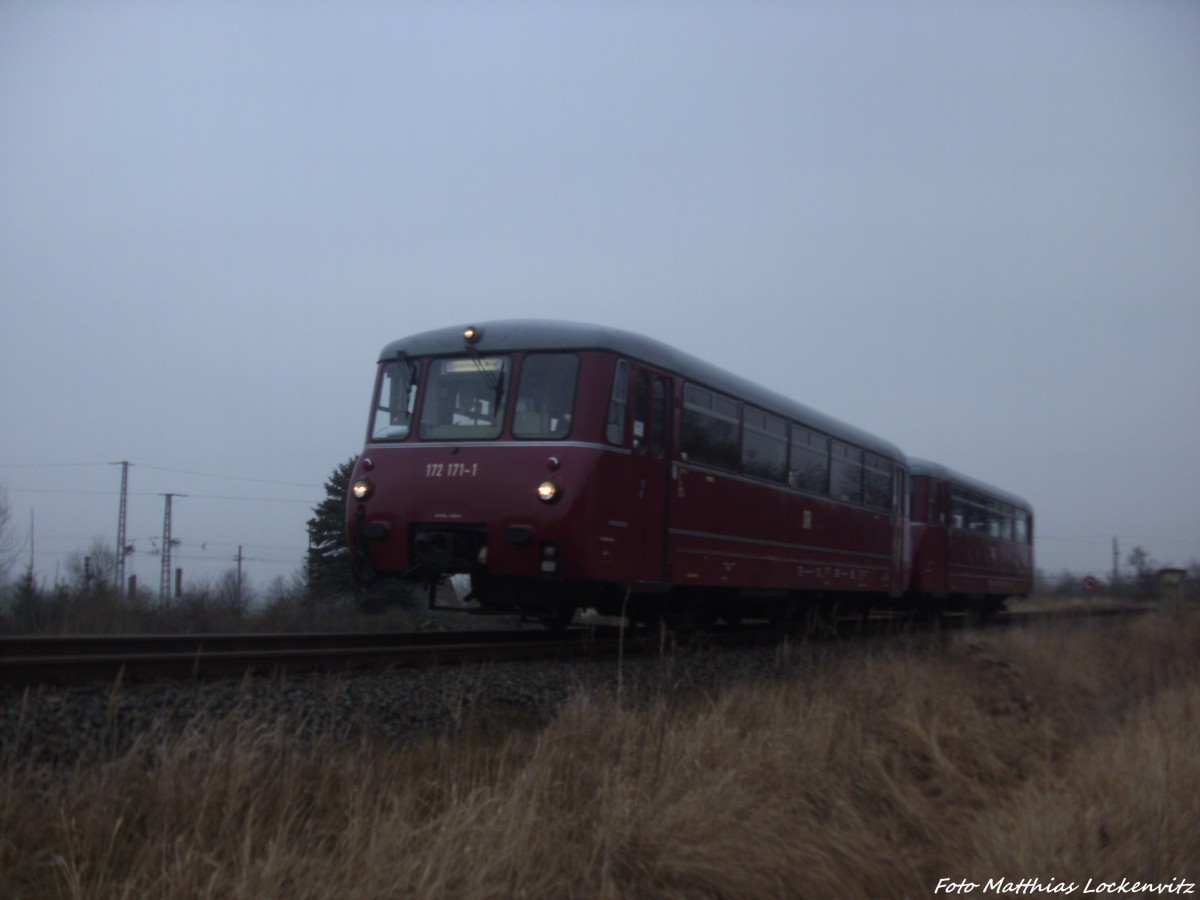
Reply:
x=556, y=604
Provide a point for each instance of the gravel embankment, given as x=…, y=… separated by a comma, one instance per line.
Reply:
x=66, y=724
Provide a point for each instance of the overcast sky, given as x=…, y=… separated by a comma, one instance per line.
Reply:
x=972, y=229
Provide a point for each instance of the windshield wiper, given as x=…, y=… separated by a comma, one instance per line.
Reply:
x=495, y=383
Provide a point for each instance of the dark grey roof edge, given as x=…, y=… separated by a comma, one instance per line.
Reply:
x=937, y=470
x=545, y=334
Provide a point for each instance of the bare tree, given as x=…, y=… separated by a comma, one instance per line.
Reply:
x=92, y=570
x=1145, y=568
x=11, y=544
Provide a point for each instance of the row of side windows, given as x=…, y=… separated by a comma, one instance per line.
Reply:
x=982, y=515
x=762, y=445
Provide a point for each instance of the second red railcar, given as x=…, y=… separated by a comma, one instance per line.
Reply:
x=972, y=543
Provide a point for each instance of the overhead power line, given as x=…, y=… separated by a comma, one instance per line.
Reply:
x=88, y=465
x=83, y=493
x=51, y=465
x=232, y=477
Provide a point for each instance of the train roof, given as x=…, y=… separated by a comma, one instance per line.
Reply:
x=540, y=334
x=918, y=467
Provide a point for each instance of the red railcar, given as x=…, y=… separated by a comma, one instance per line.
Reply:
x=561, y=465
x=972, y=543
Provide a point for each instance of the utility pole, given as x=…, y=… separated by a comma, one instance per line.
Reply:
x=164, y=584
x=119, y=574
x=1116, y=572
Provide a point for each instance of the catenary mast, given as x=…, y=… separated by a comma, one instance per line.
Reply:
x=164, y=585
x=119, y=568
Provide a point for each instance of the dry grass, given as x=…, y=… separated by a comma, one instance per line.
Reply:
x=1035, y=753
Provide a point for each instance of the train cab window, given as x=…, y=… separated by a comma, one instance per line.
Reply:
x=808, y=468
x=764, y=445
x=709, y=428
x=391, y=418
x=1021, y=527
x=846, y=473
x=877, y=481
x=614, y=430
x=464, y=398
x=546, y=396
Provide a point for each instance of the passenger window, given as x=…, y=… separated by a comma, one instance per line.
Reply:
x=993, y=519
x=958, y=511
x=1006, y=523
x=614, y=430
x=808, y=468
x=977, y=517
x=877, y=481
x=764, y=445
x=1022, y=527
x=709, y=429
x=846, y=473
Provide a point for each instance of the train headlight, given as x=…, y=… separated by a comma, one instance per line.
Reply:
x=362, y=489
x=548, y=491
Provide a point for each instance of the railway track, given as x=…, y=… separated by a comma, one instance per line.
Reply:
x=70, y=659
x=82, y=658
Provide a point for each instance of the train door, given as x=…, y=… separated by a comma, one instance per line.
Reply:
x=651, y=444
x=936, y=542
x=901, y=533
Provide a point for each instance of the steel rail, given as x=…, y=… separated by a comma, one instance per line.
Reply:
x=70, y=659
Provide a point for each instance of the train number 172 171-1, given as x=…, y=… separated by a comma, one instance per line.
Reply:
x=451, y=470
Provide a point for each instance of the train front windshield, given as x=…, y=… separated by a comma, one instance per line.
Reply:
x=467, y=398
x=464, y=399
